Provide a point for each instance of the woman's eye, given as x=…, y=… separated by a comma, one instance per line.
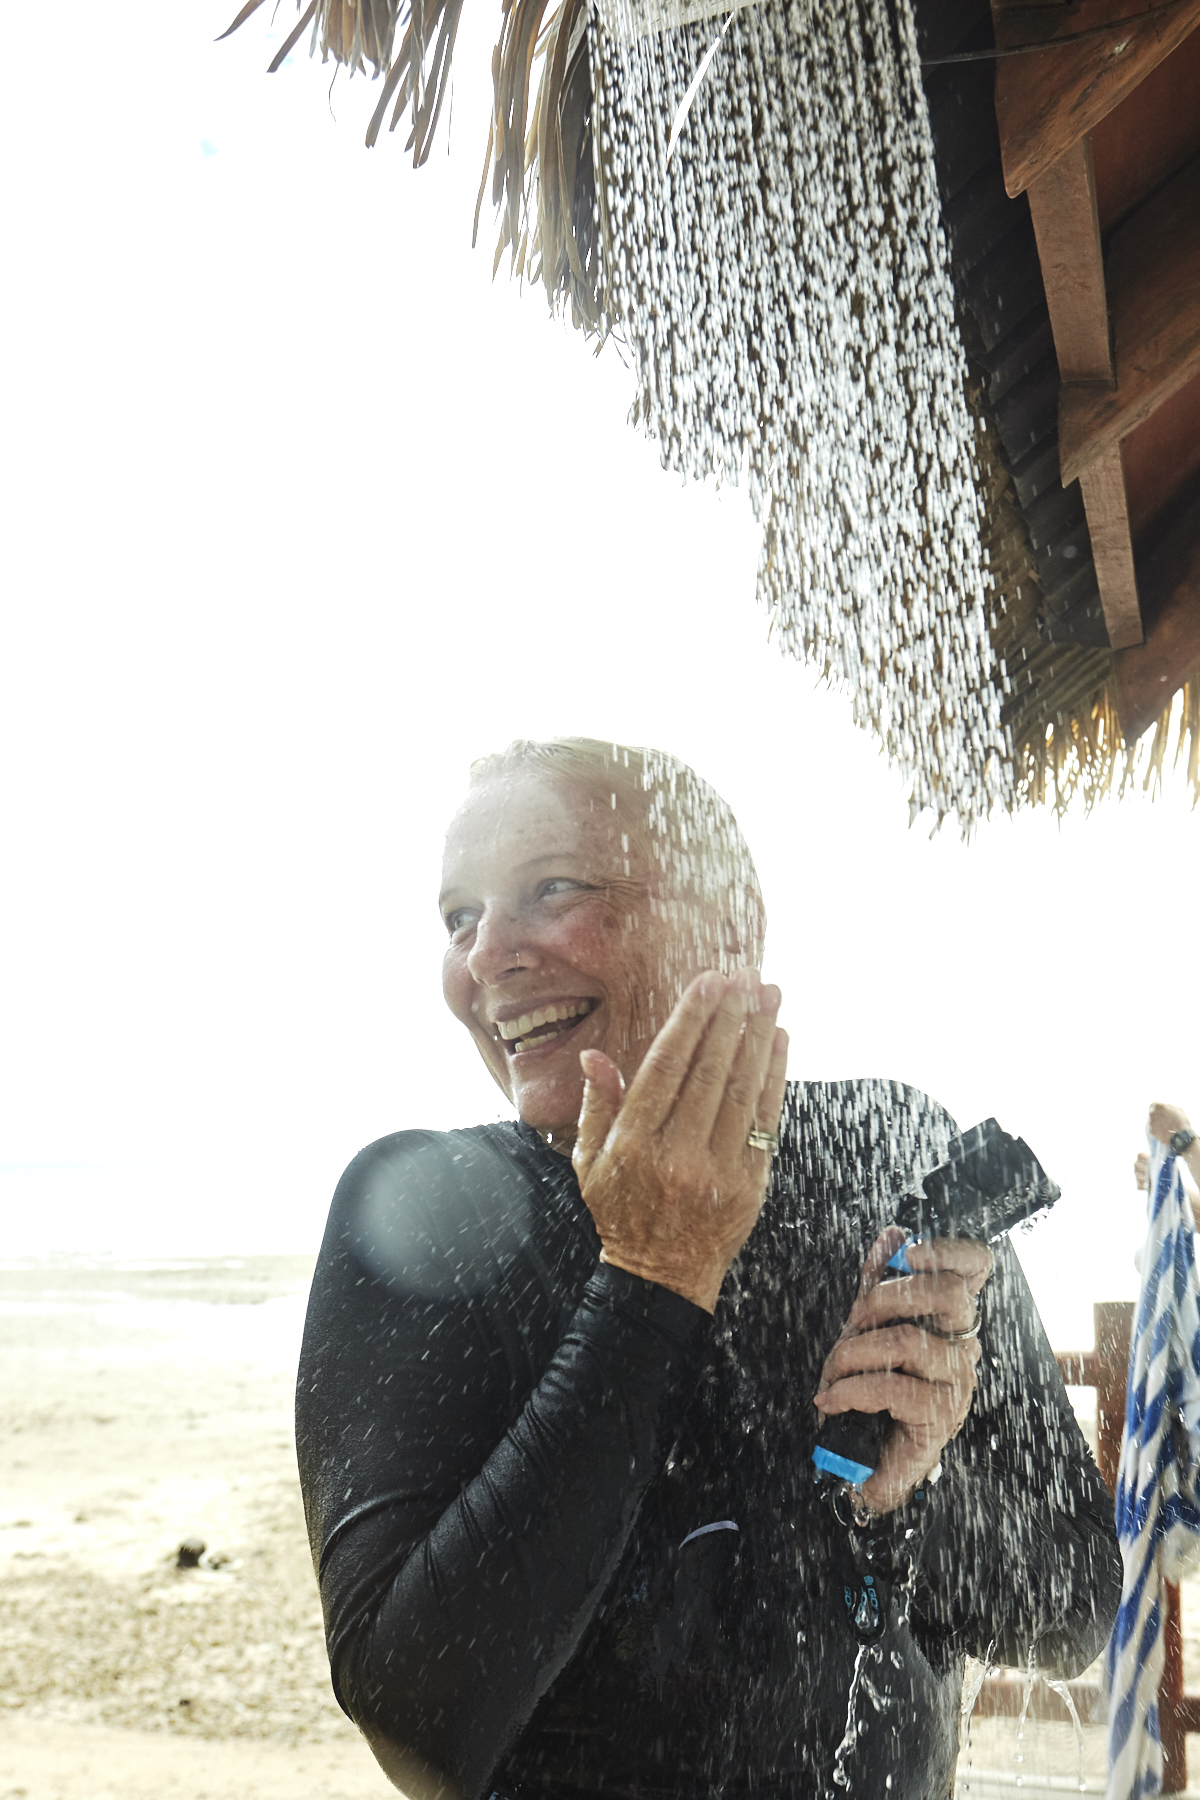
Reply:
x=458, y=920
x=559, y=884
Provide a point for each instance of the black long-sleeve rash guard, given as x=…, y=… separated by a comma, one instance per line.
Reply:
x=565, y=1525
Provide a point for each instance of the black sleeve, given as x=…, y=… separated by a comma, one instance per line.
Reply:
x=466, y=1530
x=1018, y=1545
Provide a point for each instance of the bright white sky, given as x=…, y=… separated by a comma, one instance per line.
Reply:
x=304, y=513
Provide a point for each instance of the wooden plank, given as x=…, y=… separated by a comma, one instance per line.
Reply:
x=1113, y=1324
x=1151, y=136
x=1172, y=1734
x=1063, y=204
x=1149, y=676
x=1067, y=226
x=1077, y=1367
x=1187, y=1712
x=1161, y=457
x=1047, y=101
x=1153, y=279
x=1103, y=485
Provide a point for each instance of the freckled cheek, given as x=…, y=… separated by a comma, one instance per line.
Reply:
x=458, y=990
x=596, y=938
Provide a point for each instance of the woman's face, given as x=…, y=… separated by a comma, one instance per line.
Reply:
x=555, y=946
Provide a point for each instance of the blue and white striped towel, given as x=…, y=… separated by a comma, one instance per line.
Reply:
x=1158, y=1502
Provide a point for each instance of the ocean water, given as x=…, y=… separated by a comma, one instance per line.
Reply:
x=126, y=1310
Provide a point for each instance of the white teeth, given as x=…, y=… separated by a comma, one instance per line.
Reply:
x=511, y=1029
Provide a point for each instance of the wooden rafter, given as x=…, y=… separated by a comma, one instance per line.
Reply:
x=1103, y=485
x=1046, y=102
x=1062, y=202
x=1124, y=311
x=1153, y=276
x=1149, y=675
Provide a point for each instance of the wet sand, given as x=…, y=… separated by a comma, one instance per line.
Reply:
x=144, y=1404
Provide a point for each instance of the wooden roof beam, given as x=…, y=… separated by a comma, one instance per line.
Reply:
x=1063, y=203
x=1149, y=676
x=1046, y=102
x=1103, y=485
x=1153, y=281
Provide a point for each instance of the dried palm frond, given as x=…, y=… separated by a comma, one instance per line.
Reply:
x=421, y=78
x=541, y=154
x=357, y=32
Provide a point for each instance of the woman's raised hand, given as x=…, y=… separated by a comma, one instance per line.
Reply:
x=665, y=1169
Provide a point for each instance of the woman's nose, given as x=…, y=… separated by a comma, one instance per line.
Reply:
x=500, y=948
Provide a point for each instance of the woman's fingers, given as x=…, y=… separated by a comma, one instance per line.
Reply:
x=943, y=1300
x=718, y=1066
x=669, y=1206
x=967, y=1258
x=703, y=1093
x=925, y=1383
x=743, y=1104
x=927, y=1406
x=905, y=1349
x=901, y=1352
x=603, y=1090
x=770, y=1101
x=654, y=1090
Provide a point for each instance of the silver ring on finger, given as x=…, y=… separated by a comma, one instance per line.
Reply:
x=962, y=1337
x=763, y=1140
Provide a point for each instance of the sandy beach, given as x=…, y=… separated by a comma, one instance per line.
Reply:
x=145, y=1404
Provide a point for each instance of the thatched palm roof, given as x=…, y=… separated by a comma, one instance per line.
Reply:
x=1069, y=187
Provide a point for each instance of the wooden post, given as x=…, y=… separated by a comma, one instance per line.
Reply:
x=1105, y=1368
x=1172, y=1727
x=1114, y=1330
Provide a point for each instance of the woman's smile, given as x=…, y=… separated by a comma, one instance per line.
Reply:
x=542, y=1024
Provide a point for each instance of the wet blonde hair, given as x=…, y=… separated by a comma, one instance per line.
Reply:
x=679, y=823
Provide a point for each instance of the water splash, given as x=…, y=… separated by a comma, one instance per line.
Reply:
x=1064, y=1693
x=850, y=1736
x=1031, y=1677
x=972, y=1687
x=782, y=282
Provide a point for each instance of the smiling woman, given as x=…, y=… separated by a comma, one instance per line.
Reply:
x=562, y=1378
x=584, y=885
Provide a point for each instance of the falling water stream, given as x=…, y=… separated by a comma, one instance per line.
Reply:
x=1064, y=1693
x=850, y=1735
x=779, y=269
x=1026, y=1697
